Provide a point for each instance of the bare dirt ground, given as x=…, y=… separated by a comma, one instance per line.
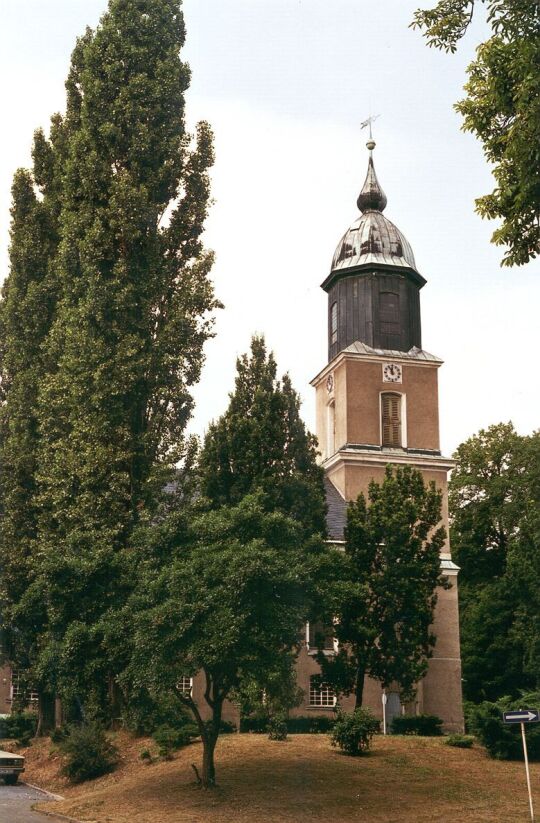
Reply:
x=403, y=780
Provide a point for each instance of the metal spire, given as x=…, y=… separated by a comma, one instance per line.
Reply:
x=372, y=197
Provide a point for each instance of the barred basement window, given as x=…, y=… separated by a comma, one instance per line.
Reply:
x=185, y=685
x=321, y=694
x=391, y=419
x=18, y=691
x=333, y=323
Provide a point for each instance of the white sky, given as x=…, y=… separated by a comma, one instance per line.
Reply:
x=285, y=85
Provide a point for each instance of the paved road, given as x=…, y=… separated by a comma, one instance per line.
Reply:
x=16, y=805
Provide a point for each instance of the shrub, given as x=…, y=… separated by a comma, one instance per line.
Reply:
x=304, y=724
x=277, y=727
x=311, y=724
x=353, y=731
x=144, y=713
x=503, y=741
x=19, y=726
x=170, y=739
x=226, y=727
x=88, y=753
x=460, y=741
x=258, y=724
x=146, y=756
x=425, y=725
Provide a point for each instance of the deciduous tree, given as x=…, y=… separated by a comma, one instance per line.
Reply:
x=494, y=505
x=383, y=609
x=502, y=110
x=229, y=603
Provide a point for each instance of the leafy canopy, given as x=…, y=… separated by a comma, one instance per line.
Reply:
x=238, y=584
x=104, y=317
x=384, y=606
x=261, y=443
x=502, y=109
x=494, y=505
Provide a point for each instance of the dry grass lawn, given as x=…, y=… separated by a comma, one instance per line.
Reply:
x=404, y=780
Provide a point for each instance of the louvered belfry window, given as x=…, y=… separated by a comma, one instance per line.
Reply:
x=391, y=420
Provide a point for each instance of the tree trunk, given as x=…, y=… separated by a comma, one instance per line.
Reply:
x=45, y=713
x=114, y=695
x=58, y=712
x=209, y=769
x=359, y=687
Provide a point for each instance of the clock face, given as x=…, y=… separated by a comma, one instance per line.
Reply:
x=330, y=382
x=391, y=373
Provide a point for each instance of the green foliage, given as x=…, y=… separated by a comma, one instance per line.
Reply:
x=494, y=506
x=273, y=696
x=501, y=109
x=383, y=606
x=87, y=752
x=19, y=726
x=277, y=727
x=171, y=739
x=103, y=320
x=310, y=724
x=144, y=713
x=353, y=731
x=229, y=601
x=503, y=741
x=425, y=725
x=146, y=756
x=302, y=724
x=459, y=741
x=261, y=443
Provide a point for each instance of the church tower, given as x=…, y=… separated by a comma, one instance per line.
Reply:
x=377, y=403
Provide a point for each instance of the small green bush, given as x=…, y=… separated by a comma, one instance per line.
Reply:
x=88, y=753
x=353, y=731
x=425, y=725
x=170, y=739
x=277, y=727
x=257, y=724
x=311, y=724
x=19, y=726
x=460, y=741
x=146, y=756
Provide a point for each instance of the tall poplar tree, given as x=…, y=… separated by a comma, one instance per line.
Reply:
x=132, y=312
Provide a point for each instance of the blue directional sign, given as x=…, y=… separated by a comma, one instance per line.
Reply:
x=522, y=716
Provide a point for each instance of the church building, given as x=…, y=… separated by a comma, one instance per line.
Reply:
x=377, y=404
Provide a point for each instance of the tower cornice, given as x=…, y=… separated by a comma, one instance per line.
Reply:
x=361, y=351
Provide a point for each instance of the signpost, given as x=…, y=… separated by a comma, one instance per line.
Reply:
x=384, y=698
x=523, y=716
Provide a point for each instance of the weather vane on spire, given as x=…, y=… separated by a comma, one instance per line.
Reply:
x=370, y=120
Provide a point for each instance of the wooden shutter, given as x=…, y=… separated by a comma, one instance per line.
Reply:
x=391, y=420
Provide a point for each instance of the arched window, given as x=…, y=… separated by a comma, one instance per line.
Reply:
x=333, y=323
x=330, y=430
x=391, y=419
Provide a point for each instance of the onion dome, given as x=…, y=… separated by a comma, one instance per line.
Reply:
x=372, y=238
